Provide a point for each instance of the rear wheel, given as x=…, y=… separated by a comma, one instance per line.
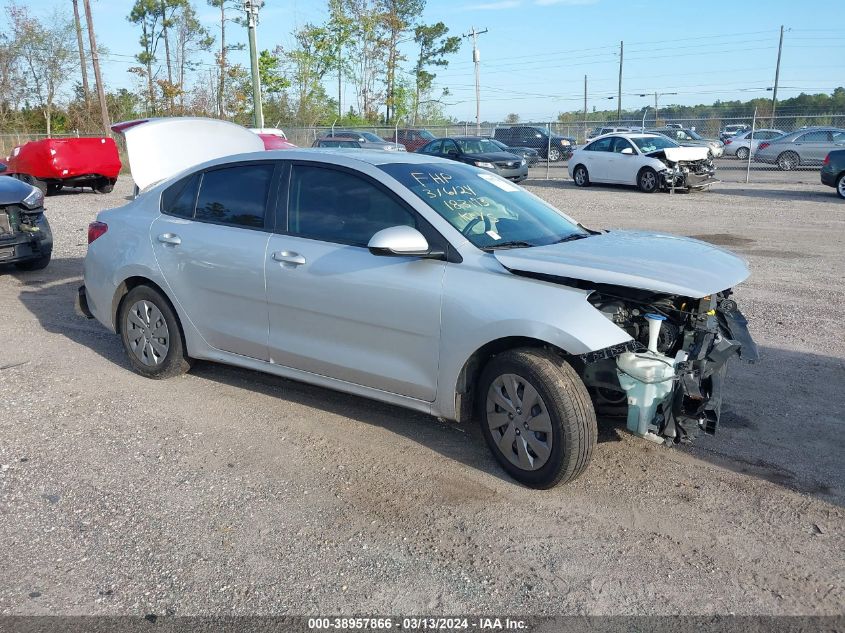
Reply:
x=536, y=417
x=53, y=188
x=742, y=153
x=580, y=176
x=104, y=186
x=648, y=181
x=840, y=185
x=151, y=334
x=788, y=161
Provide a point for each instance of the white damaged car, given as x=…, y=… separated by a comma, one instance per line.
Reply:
x=417, y=281
x=649, y=161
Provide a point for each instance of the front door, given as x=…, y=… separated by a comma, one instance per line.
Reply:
x=210, y=244
x=338, y=310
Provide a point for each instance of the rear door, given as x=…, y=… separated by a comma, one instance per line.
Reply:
x=335, y=308
x=813, y=146
x=210, y=244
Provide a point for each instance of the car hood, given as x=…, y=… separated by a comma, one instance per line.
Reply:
x=12, y=190
x=161, y=148
x=676, y=154
x=649, y=261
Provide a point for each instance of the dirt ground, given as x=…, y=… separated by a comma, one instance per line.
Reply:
x=231, y=492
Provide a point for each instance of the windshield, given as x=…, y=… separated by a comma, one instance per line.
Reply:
x=648, y=144
x=372, y=138
x=477, y=146
x=694, y=135
x=428, y=136
x=489, y=210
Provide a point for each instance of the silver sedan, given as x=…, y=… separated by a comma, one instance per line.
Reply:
x=417, y=281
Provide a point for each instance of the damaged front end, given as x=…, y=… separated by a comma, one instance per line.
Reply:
x=668, y=380
x=686, y=168
x=24, y=231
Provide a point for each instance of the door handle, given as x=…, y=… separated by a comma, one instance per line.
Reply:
x=289, y=257
x=170, y=238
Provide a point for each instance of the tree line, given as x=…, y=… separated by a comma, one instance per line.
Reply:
x=377, y=51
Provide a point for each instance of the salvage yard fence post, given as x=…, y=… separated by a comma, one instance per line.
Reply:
x=751, y=146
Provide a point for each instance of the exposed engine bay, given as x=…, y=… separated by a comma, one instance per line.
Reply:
x=687, y=170
x=668, y=380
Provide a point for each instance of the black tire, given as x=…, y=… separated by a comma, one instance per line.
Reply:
x=554, y=155
x=742, y=153
x=567, y=403
x=840, y=186
x=104, y=186
x=176, y=361
x=789, y=160
x=35, y=264
x=648, y=181
x=581, y=176
x=54, y=188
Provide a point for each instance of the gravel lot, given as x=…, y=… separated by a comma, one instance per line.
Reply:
x=232, y=492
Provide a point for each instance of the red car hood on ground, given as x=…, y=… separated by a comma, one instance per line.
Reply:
x=60, y=158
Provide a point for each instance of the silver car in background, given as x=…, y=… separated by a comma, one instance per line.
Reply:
x=746, y=142
x=417, y=281
x=807, y=146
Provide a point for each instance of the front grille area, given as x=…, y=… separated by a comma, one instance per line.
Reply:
x=508, y=164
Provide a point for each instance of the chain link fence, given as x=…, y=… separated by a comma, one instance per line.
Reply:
x=754, y=154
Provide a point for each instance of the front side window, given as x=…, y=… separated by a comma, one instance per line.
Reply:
x=335, y=206
x=489, y=210
x=478, y=146
x=432, y=148
x=235, y=195
x=620, y=143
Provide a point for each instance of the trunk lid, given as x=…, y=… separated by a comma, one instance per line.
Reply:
x=161, y=148
x=649, y=261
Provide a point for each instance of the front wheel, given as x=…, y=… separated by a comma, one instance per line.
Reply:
x=104, y=186
x=536, y=417
x=580, y=176
x=151, y=334
x=742, y=153
x=840, y=186
x=554, y=155
x=648, y=181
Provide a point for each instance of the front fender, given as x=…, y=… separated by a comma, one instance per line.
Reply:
x=482, y=306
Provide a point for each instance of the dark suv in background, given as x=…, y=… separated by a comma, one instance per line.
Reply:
x=552, y=147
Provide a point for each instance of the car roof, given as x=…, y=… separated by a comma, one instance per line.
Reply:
x=627, y=135
x=372, y=157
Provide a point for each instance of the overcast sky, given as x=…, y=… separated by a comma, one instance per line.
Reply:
x=536, y=52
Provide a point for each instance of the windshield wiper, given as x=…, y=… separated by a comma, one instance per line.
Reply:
x=511, y=244
x=573, y=237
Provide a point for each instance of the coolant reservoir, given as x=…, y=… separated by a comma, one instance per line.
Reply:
x=646, y=378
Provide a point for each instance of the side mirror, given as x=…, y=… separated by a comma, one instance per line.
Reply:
x=452, y=152
x=401, y=241
x=627, y=151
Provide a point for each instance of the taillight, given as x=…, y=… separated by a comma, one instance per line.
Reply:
x=728, y=142
x=762, y=146
x=96, y=229
x=826, y=160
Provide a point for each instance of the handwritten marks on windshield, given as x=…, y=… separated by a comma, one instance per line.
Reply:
x=456, y=197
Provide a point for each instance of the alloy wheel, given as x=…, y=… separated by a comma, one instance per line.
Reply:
x=519, y=422
x=648, y=180
x=840, y=187
x=554, y=154
x=788, y=161
x=742, y=153
x=147, y=333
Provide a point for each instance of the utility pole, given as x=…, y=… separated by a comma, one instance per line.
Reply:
x=585, y=107
x=95, y=61
x=619, y=94
x=82, y=64
x=251, y=7
x=777, y=76
x=656, y=95
x=476, y=60
x=339, y=76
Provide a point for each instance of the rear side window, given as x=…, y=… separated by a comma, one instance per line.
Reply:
x=235, y=195
x=336, y=206
x=179, y=198
x=814, y=137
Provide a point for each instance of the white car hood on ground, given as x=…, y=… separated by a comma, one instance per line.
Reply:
x=161, y=148
x=676, y=154
x=649, y=261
